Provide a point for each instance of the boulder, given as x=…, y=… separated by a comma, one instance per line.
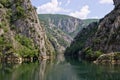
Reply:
x=109, y=58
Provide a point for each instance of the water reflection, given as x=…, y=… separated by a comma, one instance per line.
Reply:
x=59, y=70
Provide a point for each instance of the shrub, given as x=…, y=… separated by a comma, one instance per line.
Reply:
x=28, y=49
x=6, y=3
x=92, y=55
x=3, y=26
x=1, y=40
x=0, y=25
x=12, y=27
x=24, y=52
x=20, y=12
x=5, y=45
x=24, y=40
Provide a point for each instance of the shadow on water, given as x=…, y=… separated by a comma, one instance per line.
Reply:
x=59, y=69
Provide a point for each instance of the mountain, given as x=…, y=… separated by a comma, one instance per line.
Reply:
x=61, y=29
x=104, y=40
x=21, y=33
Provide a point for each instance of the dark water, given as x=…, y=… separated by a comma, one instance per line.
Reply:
x=59, y=70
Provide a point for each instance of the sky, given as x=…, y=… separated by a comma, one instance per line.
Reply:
x=82, y=9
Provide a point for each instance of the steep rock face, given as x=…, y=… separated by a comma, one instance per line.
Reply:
x=58, y=38
x=21, y=27
x=106, y=38
x=108, y=34
x=66, y=23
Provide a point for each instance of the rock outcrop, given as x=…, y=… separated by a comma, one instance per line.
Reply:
x=116, y=2
x=66, y=23
x=106, y=38
x=110, y=58
x=20, y=30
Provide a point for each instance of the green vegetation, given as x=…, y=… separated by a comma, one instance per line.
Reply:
x=44, y=17
x=56, y=19
x=1, y=40
x=5, y=45
x=91, y=55
x=3, y=25
x=80, y=40
x=6, y=3
x=12, y=27
x=12, y=40
x=55, y=35
x=27, y=49
x=24, y=41
x=117, y=56
x=20, y=12
x=88, y=21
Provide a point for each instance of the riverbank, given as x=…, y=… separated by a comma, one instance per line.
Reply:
x=13, y=58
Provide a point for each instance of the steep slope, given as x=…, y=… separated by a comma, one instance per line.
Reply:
x=20, y=30
x=80, y=40
x=106, y=38
x=61, y=29
x=58, y=38
x=66, y=23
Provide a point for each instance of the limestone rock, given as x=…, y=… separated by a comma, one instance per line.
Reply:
x=106, y=38
x=19, y=19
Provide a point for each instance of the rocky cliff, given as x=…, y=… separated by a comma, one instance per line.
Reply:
x=106, y=38
x=66, y=23
x=20, y=30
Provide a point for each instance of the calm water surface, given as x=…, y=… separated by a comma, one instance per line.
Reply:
x=59, y=70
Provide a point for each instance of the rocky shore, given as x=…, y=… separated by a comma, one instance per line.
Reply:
x=110, y=58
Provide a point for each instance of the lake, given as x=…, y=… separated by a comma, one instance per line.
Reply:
x=59, y=69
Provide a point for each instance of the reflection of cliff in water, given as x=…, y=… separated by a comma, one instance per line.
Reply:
x=44, y=70
x=18, y=71
x=58, y=70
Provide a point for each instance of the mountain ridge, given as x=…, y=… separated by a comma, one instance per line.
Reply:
x=62, y=28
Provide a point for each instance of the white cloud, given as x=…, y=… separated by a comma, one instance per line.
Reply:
x=68, y=2
x=51, y=7
x=106, y=1
x=82, y=14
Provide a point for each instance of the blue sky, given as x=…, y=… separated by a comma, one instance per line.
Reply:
x=77, y=8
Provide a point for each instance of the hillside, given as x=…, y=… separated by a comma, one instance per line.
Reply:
x=61, y=29
x=80, y=40
x=21, y=34
x=105, y=39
